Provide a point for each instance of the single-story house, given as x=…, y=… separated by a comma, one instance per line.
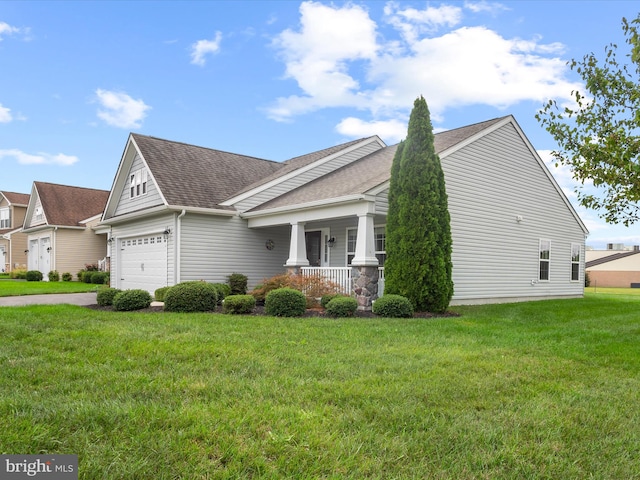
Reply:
x=611, y=268
x=60, y=227
x=180, y=212
x=13, y=242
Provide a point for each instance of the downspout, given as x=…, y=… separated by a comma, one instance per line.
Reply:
x=177, y=244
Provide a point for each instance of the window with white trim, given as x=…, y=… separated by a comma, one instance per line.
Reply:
x=39, y=213
x=5, y=218
x=575, y=262
x=380, y=239
x=138, y=183
x=545, y=260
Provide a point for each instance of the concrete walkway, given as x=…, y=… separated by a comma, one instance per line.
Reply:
x=50, y=299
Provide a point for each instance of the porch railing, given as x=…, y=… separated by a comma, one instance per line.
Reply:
x=341, y=276
x=338, y=275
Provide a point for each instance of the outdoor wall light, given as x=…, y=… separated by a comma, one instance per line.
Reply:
x=331, y=242
x=110, y=241
x=26, y=251
x=167, y=231
x=48, y=249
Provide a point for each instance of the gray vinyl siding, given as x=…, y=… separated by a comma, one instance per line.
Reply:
x=212, y=248
x=489, y=183
x=152, y=198
x=306, y=177
x=141, y=227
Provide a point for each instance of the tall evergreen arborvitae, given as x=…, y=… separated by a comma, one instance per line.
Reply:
x=418, y=232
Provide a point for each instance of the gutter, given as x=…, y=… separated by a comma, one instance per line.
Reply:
x=177, y=244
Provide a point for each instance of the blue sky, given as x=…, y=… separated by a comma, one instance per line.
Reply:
x=278, y=79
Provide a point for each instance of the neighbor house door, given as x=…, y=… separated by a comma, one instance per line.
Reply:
x=34, y=255
x=45, y=256
x=3, y=260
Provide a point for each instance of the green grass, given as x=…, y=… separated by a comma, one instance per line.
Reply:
x=541, y=390
x=9, y=288
x=613, y=291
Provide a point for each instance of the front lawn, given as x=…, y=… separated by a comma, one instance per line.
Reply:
x=543, y=390
x=10, y=288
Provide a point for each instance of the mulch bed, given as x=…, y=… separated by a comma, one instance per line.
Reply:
x=259, y=310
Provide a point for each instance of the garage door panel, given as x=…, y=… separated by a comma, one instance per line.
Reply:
x=143, y=263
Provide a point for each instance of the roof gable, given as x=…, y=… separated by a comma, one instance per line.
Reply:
x=190, y=176
x=16, y=199
x=65, y=205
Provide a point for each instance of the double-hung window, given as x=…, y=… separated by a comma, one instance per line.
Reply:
x=5, y=218
x=575, y=262
x=379, y=240
x=545, y=260
x=138, y=183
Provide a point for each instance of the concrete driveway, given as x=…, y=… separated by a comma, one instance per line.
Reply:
x=54, y=298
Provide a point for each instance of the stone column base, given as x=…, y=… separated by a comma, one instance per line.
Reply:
x=364, y=284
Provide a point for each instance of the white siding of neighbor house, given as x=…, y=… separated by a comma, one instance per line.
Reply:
x=489, y=184
x=214, y=247
x=305, y=177
x=152, y=198
x=136, y=228
x=33, y=222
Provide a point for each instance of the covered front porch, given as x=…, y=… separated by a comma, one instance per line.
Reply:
x=342, y=243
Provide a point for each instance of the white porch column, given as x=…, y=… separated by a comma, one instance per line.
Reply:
x=365, y=254
x=297, y=247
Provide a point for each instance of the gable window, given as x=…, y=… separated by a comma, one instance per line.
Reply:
x=39, y=213
x=5, y=218
x=545, y=259
x=575, y=262
x=138, y=183
x=380, y=239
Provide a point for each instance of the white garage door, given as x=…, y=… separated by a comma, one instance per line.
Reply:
x=143, y=263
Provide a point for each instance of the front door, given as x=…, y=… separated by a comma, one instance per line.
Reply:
x=3, y=260
x=314, y=248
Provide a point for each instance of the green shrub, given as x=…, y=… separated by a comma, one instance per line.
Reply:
x=86, y=276
x=393, y=306
x=342, y=307
x=224, y=291
x=238, y=304
x=328, y=297
x=129, y=300
x=105, y=296
x=18, y=274
x=238, y=283
x=99, y=278
x=54, y=276
x=285, y=302
x=34, y=276
x=160, y=293
x=67, y=277
x=191, y=296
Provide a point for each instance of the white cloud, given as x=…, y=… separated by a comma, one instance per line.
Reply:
x=120, y=110
x=484, y=6
x=202, y=48
x=317, y=57
x=391, y=131
x=339, y=58
x=6, y=29
x=5, y=114
x=40, y=158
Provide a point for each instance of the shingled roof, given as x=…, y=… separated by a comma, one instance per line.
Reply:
x=296, y=163
x=68, y=206
x=20, y=199
x=368, y=172
x=188, y=175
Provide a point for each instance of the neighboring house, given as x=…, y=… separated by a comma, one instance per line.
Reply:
x=611, y=268
x=59, y=225
x=13, y=242
x=179, y=212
